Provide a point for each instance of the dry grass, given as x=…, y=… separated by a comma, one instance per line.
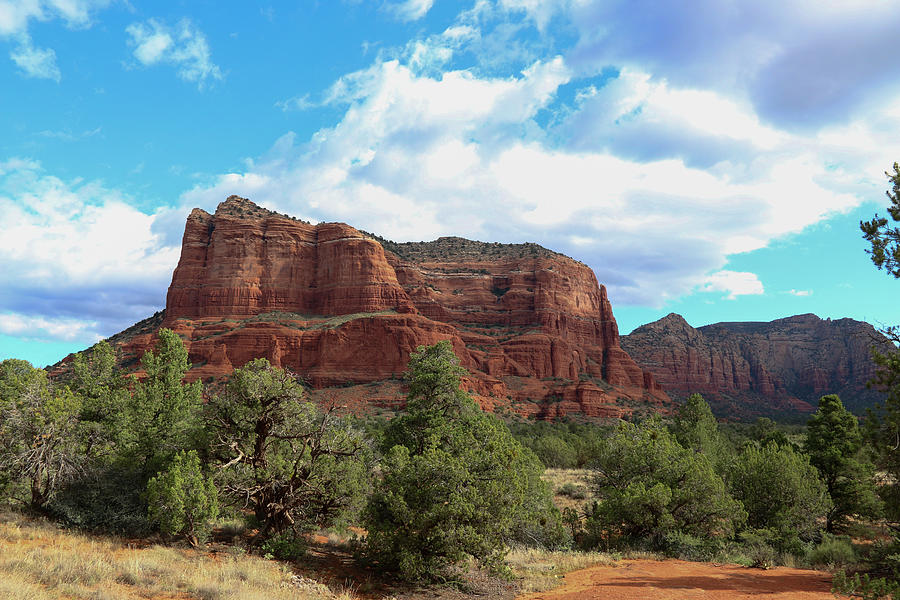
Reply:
x=540, y=570
x=41, y=562
x=557, y=478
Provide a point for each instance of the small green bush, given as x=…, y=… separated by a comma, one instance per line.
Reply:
x=573, y=491
x=689, y=547
x=865, y=587
x=181, y=500
x=287, y=545
x=833, y=551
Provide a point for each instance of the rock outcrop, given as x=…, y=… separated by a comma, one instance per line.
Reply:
x=758, y=368
x=344, y=309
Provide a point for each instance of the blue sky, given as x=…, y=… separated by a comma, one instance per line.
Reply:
x=713, y=162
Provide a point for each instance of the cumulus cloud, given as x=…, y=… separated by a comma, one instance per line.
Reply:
x=733, y=283
x=35, y=62
x=80, y=261
x=802, y=64
x=410, y=10
x=652, y=184
x=15, y=16
x=182, y=45
x=41, y=328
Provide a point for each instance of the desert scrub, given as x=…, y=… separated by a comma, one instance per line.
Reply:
x=573, y=491
x=538, y=570
x=40, y=562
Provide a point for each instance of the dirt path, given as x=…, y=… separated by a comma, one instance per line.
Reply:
x=680, y=580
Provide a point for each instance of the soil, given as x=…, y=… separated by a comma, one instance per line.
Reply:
x=677, y=580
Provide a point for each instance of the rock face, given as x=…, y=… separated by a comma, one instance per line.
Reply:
x=753, y=368
x=344, y=309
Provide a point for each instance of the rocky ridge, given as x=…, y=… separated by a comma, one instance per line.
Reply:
x=344, y=309
x=753, y=368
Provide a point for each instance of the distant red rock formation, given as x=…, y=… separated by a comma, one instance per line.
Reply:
x=344, y=309
x=756, y=368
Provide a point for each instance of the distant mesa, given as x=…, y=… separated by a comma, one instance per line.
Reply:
x=756, y=368
x=344, y=309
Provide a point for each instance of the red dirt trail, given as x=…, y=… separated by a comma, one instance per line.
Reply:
x=680, y=580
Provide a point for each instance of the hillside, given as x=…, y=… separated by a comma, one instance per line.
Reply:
x=751, y=368
x=344, y=309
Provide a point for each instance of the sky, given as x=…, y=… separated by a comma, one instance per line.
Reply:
x=711, y=158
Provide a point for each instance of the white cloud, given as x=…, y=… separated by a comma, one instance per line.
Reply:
x=15, y=14
x=48, y=329
x=652, y=184
x=733, y=283
x=800, y=292
x=181, y=45
x=80, y=261
x=35, y=62
x=410, y=10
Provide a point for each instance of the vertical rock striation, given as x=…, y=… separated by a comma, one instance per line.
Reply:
x=344, y=309
x=760, y=368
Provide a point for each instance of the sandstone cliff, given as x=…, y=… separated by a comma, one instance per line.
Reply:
x=344, y=309
x=747, y=369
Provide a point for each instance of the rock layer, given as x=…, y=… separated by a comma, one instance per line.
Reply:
x=756, y=368
x=345, y=309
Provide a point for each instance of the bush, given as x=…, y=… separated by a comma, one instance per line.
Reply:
x=456, y=483
x=782, y=493
x=181, y=500
x=284, y=546
x=105, y=498
x=833, y=551
x=758, y=547
x=573, y=491
x=648, y=485
x=866, y=587
x=688, y=547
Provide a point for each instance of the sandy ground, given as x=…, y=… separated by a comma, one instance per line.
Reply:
x=677, y=580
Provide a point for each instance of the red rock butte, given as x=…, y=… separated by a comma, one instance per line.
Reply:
x=344, y=309
x=745, y=369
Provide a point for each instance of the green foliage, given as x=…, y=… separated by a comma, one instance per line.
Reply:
x=649, y=485
x=835, y=448
x=287, y=545
x=781, y=492
x=182, y=500
x=572, y=490
x=553, y=451
x=162, y=415
x=456, y=483
x=833, y=551
x=40, y=448
x=292, y=465
x=884, y=240
x=864, y=586
x=689, y=547
x=696, y=429
x=561, y=445
x=765, y=431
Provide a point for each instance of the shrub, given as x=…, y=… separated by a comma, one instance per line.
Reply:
x=456, y=483
x=572, y=490
x=781, y=492
x=833, y=551
x=181, y=500
x=287, y=545
x=864, y=586
x=649, y=485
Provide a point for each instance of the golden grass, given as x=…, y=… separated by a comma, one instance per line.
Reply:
x=540, y=570
x=41, y=562
x=557, y=478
